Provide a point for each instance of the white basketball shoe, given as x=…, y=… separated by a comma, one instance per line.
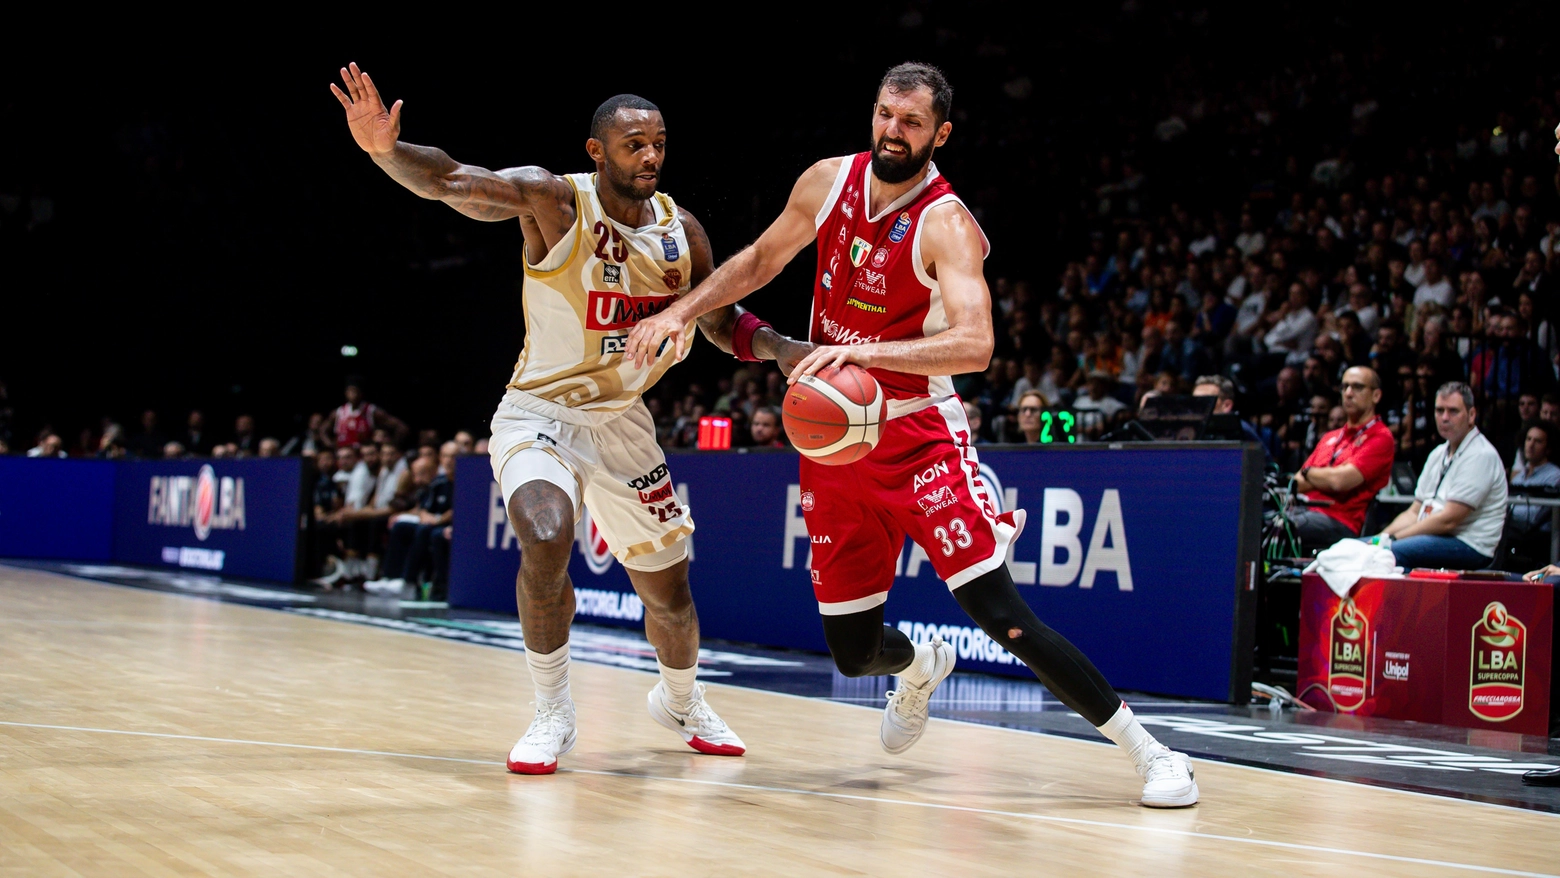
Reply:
x=1168, y=779
x=904, y=719
x=550, y=735
x=699, y=726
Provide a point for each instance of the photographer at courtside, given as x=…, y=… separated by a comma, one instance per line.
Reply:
x=1459, y=506
x=1346, y=469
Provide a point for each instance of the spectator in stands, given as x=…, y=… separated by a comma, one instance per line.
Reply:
x=173, y=450
x=765, y=430
x=195, y=440
x=1434, y=288
x=244, y=438
x=306, y=443
x=1029, y=409
x=465, y=443
x=973, y=416
x=387, y=483
x=270, y=446
x=149, y=442
x=412, y=534
x=1293, y=327
x=49, y=445
x=354, y=422
x=1549, y=408
x=347, y=460
x=1097, y=406
x=1533, y=470
x=1459, y=505
x=1224, y=389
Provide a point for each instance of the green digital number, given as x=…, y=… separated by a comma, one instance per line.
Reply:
x=1045, y=428
x=1067, y=425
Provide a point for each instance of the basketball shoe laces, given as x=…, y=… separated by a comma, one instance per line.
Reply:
x=1162, y=765
x=699, y=712
x=909, y=704
x=550, y=726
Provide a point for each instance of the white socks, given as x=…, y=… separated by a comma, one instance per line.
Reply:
x=1129, y=735
x=550, y=674
x=921, y=667
x=679, y=683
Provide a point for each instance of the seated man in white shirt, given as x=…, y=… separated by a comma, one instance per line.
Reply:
x=1435, y=288
x=1459, y=505
x=1294, y=331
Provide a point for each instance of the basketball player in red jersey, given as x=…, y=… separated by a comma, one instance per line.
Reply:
x=899, y=291
x=355, y=421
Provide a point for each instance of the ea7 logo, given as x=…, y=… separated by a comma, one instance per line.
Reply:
x=614, y=344
x=939, y=499
x=930, y=474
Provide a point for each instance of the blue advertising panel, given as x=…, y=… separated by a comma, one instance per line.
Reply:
x=239, y=517
x=1135, y=554
x=56, y=508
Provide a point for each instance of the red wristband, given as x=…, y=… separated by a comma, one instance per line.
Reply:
x=742, y=336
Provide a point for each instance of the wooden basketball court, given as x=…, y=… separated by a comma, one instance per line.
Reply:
x=151, y=734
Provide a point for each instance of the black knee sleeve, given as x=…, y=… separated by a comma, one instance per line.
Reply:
x=996, y=606
x=862, y=646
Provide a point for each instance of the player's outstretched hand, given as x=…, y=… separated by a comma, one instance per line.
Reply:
x=644, y=342
x=373, y=127
x=831, y=355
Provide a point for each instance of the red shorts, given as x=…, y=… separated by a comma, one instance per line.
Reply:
x=921, y=481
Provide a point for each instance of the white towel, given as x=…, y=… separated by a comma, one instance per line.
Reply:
x=1350, y=560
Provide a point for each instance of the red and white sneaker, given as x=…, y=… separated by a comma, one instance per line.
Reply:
x=904, y=719
x=698, y=725
x=550, y=735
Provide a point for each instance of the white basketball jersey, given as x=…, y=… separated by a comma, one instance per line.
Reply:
x=583, y=299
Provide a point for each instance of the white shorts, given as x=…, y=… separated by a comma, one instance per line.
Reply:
x=616, y=471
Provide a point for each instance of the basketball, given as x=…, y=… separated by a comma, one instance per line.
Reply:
x=835, y=416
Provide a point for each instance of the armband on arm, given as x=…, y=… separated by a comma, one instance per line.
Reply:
x=742, y=336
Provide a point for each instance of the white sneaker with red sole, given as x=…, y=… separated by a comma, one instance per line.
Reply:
x=698, y=725
x=550, y=735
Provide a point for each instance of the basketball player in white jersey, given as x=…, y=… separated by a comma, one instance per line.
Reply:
x=907, y=300
x=602, y=251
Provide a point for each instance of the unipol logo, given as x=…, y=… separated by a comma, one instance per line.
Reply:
x=204, y=502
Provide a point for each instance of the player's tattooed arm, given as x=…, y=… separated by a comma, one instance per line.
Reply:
x=428, y=171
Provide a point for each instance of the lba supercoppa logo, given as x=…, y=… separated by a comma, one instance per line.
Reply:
x=203, y=502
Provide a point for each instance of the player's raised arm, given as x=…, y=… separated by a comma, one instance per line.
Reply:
x=756, y=265
x=476, y=192
x=953, y=248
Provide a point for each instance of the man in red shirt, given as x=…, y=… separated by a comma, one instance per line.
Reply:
x=1347, y=468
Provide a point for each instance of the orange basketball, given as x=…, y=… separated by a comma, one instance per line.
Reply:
x=835, y=416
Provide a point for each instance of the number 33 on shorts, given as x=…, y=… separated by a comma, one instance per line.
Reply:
x=955, y=535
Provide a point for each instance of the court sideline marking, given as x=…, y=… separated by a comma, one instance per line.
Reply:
x=990, y=812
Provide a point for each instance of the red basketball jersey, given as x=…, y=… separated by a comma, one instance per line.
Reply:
x=354, y=426
x=872, y=283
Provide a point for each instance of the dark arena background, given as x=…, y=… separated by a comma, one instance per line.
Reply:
x=1261, y=280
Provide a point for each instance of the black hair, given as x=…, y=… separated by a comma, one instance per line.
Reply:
x=911, y=75
x=606, y=114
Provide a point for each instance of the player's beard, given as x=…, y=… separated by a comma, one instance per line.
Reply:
x=627, y=185
x=894, y=169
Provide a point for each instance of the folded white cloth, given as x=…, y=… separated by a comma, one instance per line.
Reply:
x=1347, y=561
